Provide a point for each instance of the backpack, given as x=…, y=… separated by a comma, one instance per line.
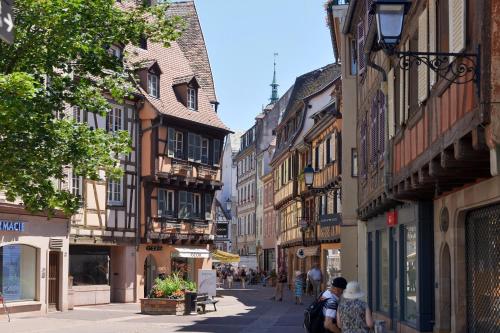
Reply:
x=314, y=318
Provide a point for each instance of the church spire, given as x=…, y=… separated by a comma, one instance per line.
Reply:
x=274, y=91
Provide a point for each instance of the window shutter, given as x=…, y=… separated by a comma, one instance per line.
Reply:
x=161, y=203
x=361, y=46
x=406, y=109
x=423, y=71
x=197, y=147
x=402, y=96
x=390, y=103
x=364, y=151
x=373, y=131
x=314, y=159
x=338, y=140
x=381, y=124
x=191, y=146
x=171, y=142
x=216, y=151
x=108, y=118
x=333, y=150
x=457, y=25
x=183, y=205
x=432, y=37
x=320, y=155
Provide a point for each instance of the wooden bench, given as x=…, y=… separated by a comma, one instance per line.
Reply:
x=203, y=300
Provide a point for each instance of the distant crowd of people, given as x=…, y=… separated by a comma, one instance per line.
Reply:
x=341, y=306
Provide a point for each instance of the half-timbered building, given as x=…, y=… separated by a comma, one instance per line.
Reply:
x=428, y=165
x=181, y=140
x=310, y=94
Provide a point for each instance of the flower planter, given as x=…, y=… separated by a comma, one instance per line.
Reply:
x=162, y=306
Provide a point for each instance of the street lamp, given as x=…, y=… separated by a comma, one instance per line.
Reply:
x=459, y=68
x=309, y=175
x=390, y=16
x=228, y=204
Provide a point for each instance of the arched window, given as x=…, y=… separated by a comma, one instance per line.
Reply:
x=18, y=272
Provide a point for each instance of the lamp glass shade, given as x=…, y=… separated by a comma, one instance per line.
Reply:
x=309, y=175
x=228, y=204
x=389, y=22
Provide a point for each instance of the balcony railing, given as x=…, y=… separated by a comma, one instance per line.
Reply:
x=326, y=176
x=330, y=232
x=170, y=225
x=182, y=168
x=207, y=172
x=284, y=193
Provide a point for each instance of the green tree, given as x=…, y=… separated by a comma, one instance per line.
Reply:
x=61, y=58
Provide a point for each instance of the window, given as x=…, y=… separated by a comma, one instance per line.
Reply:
x=194, y=147
x=89, y=265
x=208, y=206
x=175, y=143
x=204, y=150
x=354, y=57
x=216, y=151
x=185, y=204
x=383, y=271
x=166, y=202
x=18, y=272
x=115, y=51
x=354, y=162
x=192, y=100
x=153, y=87
x=410, y=277
x=324, y=205
x=197, y=205
x=328, y=151
x=76, y=185
x=77, y=114
x=115, y=192
x=114, y=119
x=316, y=158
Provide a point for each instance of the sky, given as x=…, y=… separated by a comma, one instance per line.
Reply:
x=242, y=37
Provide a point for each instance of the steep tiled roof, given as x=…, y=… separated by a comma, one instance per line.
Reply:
x=193, y=45
x=179, y=64
x=174, y=64
x=305, y=86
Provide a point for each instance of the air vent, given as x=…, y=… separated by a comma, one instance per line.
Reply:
x=55, y=243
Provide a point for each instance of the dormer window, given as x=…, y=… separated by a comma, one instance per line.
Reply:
x=192, y=98
x=153, y=85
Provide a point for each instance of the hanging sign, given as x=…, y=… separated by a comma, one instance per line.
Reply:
x=301, y=253
x=392, y=218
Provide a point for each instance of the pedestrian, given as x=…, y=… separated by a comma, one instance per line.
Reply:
x=353, y=314
x=299, y=287
x=243, y=277
x=332, y=295
x=315, y=277
x=282, y=280
x=230, y=279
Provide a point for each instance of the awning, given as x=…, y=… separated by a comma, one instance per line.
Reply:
x=225, y=257
x=191, y=253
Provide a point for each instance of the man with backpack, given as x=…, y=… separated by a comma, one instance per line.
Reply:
x=321, y=315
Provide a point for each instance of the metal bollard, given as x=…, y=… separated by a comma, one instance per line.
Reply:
x=380, y=326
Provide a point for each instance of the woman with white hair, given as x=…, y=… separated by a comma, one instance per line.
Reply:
x=353, y=314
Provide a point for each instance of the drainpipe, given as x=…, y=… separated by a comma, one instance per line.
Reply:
x=387, y=156
x=138, y=138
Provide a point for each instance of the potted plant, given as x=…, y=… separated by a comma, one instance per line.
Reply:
x=168, y=296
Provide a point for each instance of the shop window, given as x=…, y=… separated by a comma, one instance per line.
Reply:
x=18, y=272
x=383, y=271
x=410, y=277
x=89, y=265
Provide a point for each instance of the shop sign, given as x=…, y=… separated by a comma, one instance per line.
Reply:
x=330, y=219
x=392, y=218
x=154, y=248
x=11, y=226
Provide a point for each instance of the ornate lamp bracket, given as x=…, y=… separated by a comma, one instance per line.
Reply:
x=459, y=68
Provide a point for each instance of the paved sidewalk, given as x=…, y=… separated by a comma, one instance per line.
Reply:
x=239, y=310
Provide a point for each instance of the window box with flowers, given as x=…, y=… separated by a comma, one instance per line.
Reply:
x=168, y=296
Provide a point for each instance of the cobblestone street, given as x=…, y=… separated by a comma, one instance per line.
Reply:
x=238, y=310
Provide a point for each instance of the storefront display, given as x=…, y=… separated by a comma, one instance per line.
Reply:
x=18, y=274
x=89, y=265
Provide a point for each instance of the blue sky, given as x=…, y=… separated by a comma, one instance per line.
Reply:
x=241, y=38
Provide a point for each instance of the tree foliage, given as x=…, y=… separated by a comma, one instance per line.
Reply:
x=60, y=58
